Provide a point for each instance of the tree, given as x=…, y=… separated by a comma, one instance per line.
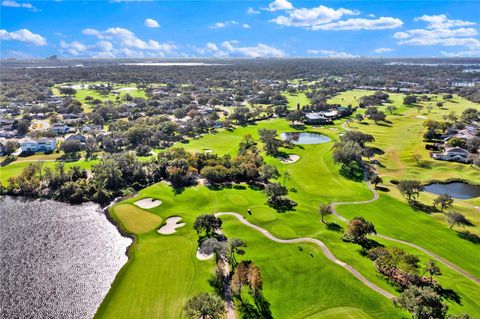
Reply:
x=347, y=153
x=432, y=269
x=410, y=188
x=391, y=108
x=358, y=229
x=419, y=107
x=422, y=303
x=270, y=141
x=456, y=219
x=417, y=158
x=295, y=116
x=359, y=117
x=205, y=306
x=444, y=201
x=275, y=190
x=357, y=137
x=376, y=180
x=207, y=223
x=235, y=246
x=324, y=211
x=429, y=108
x=410, y=100
x=72, y=146
x=10, y=147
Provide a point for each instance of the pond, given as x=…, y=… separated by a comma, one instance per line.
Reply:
x=305, y=138
x=457, y=189
x=56, y=260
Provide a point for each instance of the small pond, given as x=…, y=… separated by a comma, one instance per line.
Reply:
x=457, y=190
x=305, y=138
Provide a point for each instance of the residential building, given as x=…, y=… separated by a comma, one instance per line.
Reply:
x=40, y=145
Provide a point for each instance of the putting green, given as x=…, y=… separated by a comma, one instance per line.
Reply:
x=136, y=220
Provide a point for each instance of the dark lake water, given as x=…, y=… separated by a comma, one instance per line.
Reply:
x=456, y=190
x=56, y=260
x=305, y=138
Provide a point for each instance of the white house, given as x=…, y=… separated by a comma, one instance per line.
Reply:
x=455, y=154
x=40, y=145
x=60, y=128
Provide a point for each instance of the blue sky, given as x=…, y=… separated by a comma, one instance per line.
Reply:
x=280, y=28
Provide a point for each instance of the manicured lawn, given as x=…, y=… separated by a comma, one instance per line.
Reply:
x=297, y=98
x=296, y=284
x=136, y=220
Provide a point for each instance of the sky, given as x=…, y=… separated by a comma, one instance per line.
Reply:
x=276, y=28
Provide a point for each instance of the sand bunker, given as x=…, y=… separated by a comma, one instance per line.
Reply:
x=421, y=117
x=147, y=203
x=207, y=151
x=127, y=89
x=202, y=256
x=290, y=159
x=171, y=226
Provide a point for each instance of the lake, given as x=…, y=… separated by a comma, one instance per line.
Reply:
x=305, y=138
x=457, y=189
x=57, y=260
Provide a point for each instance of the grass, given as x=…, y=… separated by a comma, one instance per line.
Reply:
x=136, y=220
x=296, y=284
x=297, y=98
x=82, y=93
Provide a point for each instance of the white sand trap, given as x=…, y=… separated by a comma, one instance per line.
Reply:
x=171, y=226
x=127, y=89
x=422, y=117
x=208, y=151
x=148, y=202
x=290, y=159
x=202, y=256
x=333, y=128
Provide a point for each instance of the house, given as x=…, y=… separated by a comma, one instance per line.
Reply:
x=91, y=127
x=453, y=154
x=316, y=118
x=60, y=128
x=40, y=145
x=76, y=137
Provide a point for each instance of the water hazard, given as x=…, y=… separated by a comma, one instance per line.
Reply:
x=305, y=138
x=457, y=190
x=57, y=260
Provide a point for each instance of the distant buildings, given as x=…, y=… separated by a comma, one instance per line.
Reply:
x=40, y=145
x=455, y=154
x=60, y=128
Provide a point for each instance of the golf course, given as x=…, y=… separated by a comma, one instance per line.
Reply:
x=308, y=271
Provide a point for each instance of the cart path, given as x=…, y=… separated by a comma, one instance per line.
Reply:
x=315, y=241
x=442, y=260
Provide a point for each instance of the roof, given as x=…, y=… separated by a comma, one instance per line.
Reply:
x=314, y=116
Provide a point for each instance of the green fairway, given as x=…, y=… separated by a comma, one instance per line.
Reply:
x=297, y=98
x=304, y=279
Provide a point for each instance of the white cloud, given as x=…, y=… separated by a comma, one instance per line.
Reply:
x=361, y=24
x=440, y=30
x=150, y=23
x=23, y=35
x=231, y=49
x=246, y=26
x=127, y=39
x=73, y=48
x=444, y=37
x=442, y=22
x=15, y=4
x=461, y=54
x=383, y=50
x=251, y=10
x=332, y=54
x=279, y=5
x=220, y=25
x=311, y=17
